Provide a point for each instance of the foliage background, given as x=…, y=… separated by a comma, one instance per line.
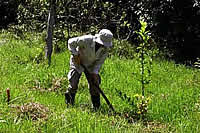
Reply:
x=174, y=24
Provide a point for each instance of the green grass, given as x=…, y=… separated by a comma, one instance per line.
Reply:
x=174, y=93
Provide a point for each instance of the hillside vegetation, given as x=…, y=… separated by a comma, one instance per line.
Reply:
x=37, y=100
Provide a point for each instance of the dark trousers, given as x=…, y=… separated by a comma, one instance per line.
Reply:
x=74, y=77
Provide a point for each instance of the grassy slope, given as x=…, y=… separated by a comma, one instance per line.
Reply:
x=174, y=92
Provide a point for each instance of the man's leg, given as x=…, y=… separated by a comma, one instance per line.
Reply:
x=73, y=77
x=95, y=95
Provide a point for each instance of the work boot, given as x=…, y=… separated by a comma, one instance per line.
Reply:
x=96, y=101
x=69, y=98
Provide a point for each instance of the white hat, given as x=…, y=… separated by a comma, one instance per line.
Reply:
x=104, y=37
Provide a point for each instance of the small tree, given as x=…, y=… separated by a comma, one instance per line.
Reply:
x=145, y=54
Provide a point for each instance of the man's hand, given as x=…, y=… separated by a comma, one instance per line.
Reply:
x=76, y=60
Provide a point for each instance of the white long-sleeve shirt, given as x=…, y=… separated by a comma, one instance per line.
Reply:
x=85, y=47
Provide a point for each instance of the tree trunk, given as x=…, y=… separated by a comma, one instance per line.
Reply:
x=50, y=26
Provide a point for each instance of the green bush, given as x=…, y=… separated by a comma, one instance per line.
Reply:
x=32, y=15
x=123, y=49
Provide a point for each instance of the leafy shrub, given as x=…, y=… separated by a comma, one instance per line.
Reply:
x=32, y=15
x=123, y=49
x=138, y=105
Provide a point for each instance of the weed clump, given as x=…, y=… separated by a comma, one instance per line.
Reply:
x=56, y=84
x=33, y=111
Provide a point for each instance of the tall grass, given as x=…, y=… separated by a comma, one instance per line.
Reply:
x=174, y=92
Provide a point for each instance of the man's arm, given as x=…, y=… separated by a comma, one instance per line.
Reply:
x=72, y=45
x=81, y=41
